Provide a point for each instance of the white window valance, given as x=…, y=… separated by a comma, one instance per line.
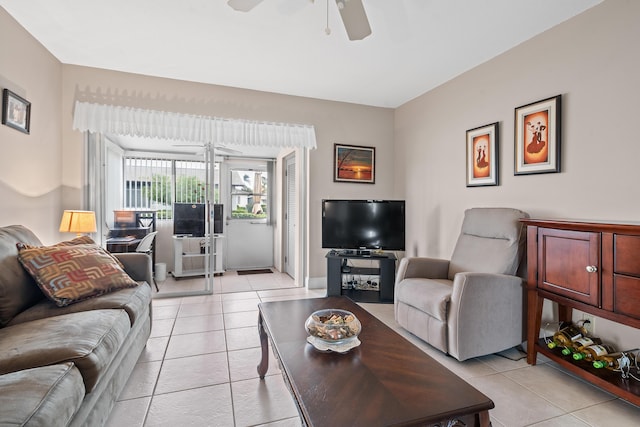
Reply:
x=119, y=120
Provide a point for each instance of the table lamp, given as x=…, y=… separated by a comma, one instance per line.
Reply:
x=78, y=222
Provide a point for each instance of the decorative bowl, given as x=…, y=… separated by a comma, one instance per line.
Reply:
x=333, y=326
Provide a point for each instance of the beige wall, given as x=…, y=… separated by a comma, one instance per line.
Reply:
x=593, y=61
x=42, y=173
x=333, y=121
x=30, y=165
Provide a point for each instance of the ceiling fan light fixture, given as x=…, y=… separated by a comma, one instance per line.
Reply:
x=243, y=5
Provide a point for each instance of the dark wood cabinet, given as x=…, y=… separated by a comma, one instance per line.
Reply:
x=567, y=263
x=593, y=267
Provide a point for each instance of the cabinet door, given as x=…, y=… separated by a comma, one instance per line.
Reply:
x=569, y=264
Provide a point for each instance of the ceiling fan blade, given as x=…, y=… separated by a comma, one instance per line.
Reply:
x=354, y=18
x=243, y=5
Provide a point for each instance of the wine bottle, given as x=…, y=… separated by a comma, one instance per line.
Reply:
x=580, y=344
x=566, y=336
x=594, y=352
x=615, y=360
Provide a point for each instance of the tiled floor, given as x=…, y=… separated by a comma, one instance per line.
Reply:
x=229, y=282
x=199, y=369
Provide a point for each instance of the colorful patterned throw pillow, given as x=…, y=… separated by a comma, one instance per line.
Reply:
x=86, y=240
x=68, y=274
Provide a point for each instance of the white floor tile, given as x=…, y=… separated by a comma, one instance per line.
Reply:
x=204, y=406
x=259, y=401
x=130, y=413
x=200, y=365
x=193, y=372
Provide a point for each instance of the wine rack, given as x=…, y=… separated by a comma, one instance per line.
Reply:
x=591, y=267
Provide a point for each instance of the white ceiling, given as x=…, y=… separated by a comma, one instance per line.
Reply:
x=281, y=46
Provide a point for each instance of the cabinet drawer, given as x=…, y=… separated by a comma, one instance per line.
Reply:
x=626, y=295
x=627, y=255
x=563, y=258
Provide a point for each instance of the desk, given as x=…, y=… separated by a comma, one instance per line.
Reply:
x=122, y=244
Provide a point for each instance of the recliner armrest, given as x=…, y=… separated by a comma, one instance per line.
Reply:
x=429, y=268
x=485, y=312
x=137, y=265
x=471, y=286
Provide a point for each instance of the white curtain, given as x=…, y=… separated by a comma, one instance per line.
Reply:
x=121, y=120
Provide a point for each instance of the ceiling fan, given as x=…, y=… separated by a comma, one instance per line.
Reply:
x=352, y=13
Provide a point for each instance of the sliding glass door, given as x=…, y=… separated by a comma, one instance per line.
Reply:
x=169, y=194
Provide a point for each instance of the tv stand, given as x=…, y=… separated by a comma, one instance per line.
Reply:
x=192, y=248
x=351, y=281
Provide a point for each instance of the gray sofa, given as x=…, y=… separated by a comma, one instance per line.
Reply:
x=471, y=305
x=63, y=366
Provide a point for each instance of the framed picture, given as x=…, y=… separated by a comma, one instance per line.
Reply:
x=537, y=137
x=482, y=156
x=353, y=163
x=16, y=111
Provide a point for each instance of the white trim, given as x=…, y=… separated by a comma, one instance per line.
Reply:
x=317, y=283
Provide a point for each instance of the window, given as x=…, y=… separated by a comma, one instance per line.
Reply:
x=156, y=184
x=248, y=194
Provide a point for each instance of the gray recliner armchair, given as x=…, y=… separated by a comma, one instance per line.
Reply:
x=471, y=305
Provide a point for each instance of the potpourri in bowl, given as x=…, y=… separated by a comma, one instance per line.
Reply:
x=333, y=326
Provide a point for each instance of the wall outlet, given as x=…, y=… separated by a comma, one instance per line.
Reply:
x=589, y=323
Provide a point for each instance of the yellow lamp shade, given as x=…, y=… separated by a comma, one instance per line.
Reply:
x=78, y=222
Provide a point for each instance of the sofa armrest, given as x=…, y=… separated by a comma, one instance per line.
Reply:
x=429, y=268
x=137, y=265
x=485, y=314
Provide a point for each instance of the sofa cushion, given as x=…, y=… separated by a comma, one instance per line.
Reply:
x=17, y=288
x=45, y=396
x=431, y=296
x=135, y=301
x=89, y=339
x=68, y=274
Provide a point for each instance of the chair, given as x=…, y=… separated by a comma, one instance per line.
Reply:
x=145, y=247
x=471, y=305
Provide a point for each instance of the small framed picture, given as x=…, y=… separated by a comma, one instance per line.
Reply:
x=354, y=163
x=16, y=111
x=482, y=156
x=537, y=137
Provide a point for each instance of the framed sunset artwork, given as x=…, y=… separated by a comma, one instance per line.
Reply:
x=482, y=156
x=354, y=163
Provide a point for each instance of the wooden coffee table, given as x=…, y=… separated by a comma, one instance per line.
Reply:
x=384, y=381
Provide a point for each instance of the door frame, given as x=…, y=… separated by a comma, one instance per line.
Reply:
x=230, y=163
x=288, y=251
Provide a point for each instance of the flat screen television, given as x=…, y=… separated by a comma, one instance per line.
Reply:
x=189, y=219
x=363, y=224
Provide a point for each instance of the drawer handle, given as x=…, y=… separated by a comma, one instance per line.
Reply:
x=592, y=268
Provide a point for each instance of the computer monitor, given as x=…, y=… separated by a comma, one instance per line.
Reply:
x=124, y=219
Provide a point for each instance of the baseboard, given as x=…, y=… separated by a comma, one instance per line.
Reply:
x=316, y=283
